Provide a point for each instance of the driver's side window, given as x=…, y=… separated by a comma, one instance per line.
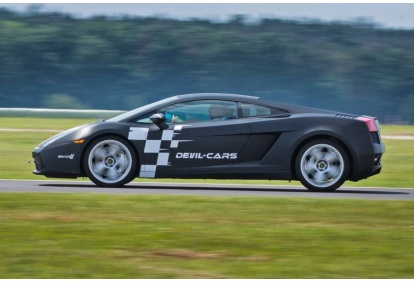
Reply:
x=185, y=112
x=199, y=111
x=193, y=112
x=144, y=119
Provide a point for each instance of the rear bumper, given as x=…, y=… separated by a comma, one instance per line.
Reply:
x=367, y=153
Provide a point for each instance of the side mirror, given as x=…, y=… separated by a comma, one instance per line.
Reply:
x=159, y=120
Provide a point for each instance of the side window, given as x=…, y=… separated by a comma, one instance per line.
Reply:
x=199, y=111
x=194, y=111
x=222, y=110
x=252, y=110
x=144, y=119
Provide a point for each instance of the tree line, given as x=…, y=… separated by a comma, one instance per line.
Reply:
x=58, y=60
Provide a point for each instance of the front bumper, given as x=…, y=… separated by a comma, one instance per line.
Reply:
x=58, y=161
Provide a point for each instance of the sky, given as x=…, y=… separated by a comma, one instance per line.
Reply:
x=386, y=15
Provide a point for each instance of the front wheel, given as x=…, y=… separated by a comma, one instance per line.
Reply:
x=110, y=162
x=322, y=165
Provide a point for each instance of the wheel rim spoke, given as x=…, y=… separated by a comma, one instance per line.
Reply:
x=113, y=150
x=318, y=176
x=330, y=157
x=100, y=168
x=122, y=162
x=332, y=172
x=100, y=153
x=309, y=166
x=318, y=154
x=112, y=174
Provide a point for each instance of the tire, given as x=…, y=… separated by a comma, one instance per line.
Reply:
x=322, y=165
x=110, y=161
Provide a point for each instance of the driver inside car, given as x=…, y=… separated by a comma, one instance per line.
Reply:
x=171, y=118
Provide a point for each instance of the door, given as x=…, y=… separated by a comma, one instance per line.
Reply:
x=204, y=138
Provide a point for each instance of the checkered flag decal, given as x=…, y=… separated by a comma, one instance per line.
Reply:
x=157, y=147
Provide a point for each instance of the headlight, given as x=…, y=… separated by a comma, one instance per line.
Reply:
x=59, y=136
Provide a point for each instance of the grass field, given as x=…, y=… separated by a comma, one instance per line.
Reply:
x=115, y=236
x=16, y=147
x=147, y=236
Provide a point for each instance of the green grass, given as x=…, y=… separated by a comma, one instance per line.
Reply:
x=397, y=130
x=42, y=123
x=118, y=236
x=16, y=148
x=144, y=236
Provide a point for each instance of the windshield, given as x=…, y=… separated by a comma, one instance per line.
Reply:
x=141, y=110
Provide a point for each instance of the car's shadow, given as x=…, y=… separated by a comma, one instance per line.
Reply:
x=235, y=188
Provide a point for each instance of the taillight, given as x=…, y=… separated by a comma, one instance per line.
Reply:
x=370, y=122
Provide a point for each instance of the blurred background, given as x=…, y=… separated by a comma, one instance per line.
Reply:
x=121, y=56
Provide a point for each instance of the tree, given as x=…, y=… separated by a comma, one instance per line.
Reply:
x=408, y=109
x=63, y=101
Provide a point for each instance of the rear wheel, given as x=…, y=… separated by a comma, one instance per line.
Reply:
x=322, y=165
x=110, y=162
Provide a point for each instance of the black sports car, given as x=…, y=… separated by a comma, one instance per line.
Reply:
x=217, y=136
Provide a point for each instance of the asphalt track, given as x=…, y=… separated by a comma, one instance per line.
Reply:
x=53, y=186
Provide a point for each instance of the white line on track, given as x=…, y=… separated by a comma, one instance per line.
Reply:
x=172, y=183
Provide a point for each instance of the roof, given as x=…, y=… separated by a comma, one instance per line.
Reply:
x=217, y=95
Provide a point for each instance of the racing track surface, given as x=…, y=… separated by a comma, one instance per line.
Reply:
x=48, y=186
